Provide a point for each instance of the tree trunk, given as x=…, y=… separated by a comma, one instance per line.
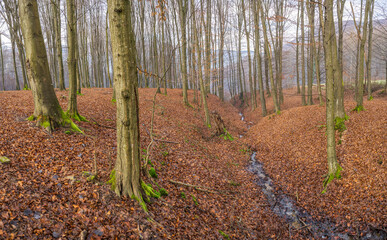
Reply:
x=2, y=64
x=208, y=47
x=268, y=52
x=202, y=85
x=339, y=81
x=297, y=51
x=72, y=110
x=252, y=94
x=58, y=42
x=127, y=169
x=47, y=109
x=302, y=54
x=183, y=8
x=369, y=57
x=259, y=60
x=328, y=37
x=311, y=52
x=360, y=87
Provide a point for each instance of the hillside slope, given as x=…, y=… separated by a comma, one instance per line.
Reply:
x=43, y=192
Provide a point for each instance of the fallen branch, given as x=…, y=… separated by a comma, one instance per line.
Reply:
x=100, y=125
x=199, y=188
x=202, y=188
x=158, y=140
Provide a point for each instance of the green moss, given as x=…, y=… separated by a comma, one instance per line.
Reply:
x=141, y=202
x=224, y=235
x=358, y=108
x=194, y=200
x=370, y=98
x=149, y=162
x=114, y=100
x=45, y=124
x=329, y=178
x=80, y=94
x=340, y=123
x=163, y=192
x=31, y=118
x=152, y=172
x=4, y=160
x=112, y=179
x=165, y=153
x=68, y=122
x=68, y=132
x=182, y=194
x=91, y=178
x=278, y=113
x=149, y=190
x=76, y=116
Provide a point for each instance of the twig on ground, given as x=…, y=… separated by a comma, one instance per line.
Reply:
x=200, y=188
x=100, y=125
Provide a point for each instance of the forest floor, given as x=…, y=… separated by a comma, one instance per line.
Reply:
x=44, y=191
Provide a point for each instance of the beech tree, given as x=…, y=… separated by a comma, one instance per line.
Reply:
x=126, y=178
x=47, y=112
x=72, y=61
x=329, y=36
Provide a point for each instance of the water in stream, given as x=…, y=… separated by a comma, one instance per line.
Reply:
x=285, y=207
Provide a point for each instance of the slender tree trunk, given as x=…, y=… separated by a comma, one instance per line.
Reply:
x=267, y=74
x=58, y=42
x=317, y=60
x=329, y=36
x=259, y=60
x=2, y=64
x=267, y=49
x=339, y=81
x=72, y=110
x=311, y=52
x=183, y=8
x=198, y=51
x=369, y=57
x=252, y=95
x=208, y=47
x=360, y=89
x=302, y=54
x=297, y=51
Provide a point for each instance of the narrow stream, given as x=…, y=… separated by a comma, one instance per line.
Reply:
x=297, y=217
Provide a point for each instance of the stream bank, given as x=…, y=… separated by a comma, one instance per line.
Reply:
x=298, y=218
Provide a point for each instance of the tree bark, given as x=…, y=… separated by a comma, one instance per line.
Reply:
x=58, y=42
x=369, y=57
x=311, y=8
x=127, y=168
x=252, y=94
x=328, y=37
x=360, y=87
x=302, y=55
x=2, y=64
x=268, y=52
x=47, y=109
x=72, y=109
x=259, y=60
x=339, y=81
x=202, y=85
x=183, y=8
